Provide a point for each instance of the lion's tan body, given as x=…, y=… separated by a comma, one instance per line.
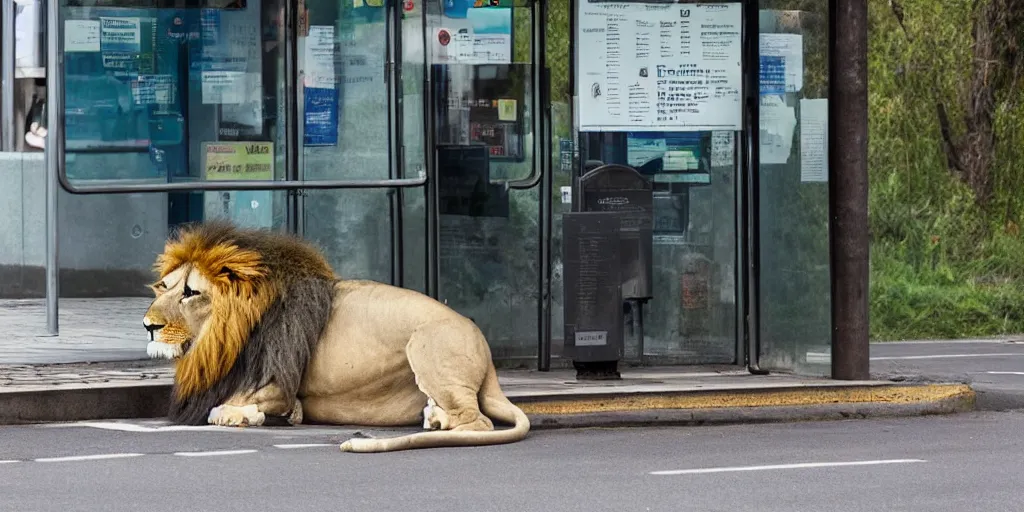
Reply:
x=362, y=373
x=386, y=356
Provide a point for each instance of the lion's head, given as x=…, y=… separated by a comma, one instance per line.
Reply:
x=169, y=336
x=243, y=306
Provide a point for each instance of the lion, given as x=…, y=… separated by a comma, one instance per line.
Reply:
x=259, y=326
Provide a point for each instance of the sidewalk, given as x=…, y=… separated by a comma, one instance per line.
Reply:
x=91, y=372
x=90, y=330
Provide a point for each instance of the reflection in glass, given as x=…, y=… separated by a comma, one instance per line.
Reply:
x=343, y=107
x=795, y=309
x=479, y=57
x=343, y=121
x=150, y=92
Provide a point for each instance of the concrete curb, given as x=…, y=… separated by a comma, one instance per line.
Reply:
x=150, y=400
x=80, y=403
x=750, y=415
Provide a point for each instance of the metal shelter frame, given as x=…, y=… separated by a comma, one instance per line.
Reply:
x=847, y=124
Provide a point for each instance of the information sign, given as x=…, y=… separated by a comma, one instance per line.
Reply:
x=659, y=66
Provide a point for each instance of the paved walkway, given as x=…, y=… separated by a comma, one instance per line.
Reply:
x=15, y=377
x=90, y=330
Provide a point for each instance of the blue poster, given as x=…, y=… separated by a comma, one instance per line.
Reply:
x=321, y=117
x=773, y=75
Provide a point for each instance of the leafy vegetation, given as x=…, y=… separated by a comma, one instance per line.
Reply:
x=945, y=128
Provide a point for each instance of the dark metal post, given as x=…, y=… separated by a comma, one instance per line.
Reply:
x=542, y=134
x=848, y=187
x=292, y=89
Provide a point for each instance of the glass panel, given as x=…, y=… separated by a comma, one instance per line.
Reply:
x=166, y=94
x=795, y=309
x=563, y=148
x=480, y=68
x=344, y=103
x=692, y=317
x=343, y=112
x=155, y=93
x=480, y=51
x=353, y=228
x=414, y=146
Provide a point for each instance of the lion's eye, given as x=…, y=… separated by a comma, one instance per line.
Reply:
x=189, y=292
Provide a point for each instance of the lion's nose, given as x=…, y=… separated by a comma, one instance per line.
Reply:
x=150, y=326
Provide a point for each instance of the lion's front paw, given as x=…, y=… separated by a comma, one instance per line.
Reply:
x=234, y=416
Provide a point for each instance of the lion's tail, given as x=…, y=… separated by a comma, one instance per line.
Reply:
x=493, y=404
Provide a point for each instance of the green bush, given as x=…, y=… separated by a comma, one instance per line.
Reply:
x=942, y=265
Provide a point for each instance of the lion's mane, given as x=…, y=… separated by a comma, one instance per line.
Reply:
x=271, y=298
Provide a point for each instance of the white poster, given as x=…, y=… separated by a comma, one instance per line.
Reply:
x=778, y=123
x=814, y=140
x=479, y=36
x=789, y=47
x=659, y=67
x=121, y=35
x=319, y=57
x=723, y=149
x=224, y=87
x=81, y=36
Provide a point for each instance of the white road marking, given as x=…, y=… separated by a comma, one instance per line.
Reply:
x=89, y=457
x=131, y=427
x=1005, y=373
x=1005, y=341
x=784, y=466
x=9, y=461
x=213, y=453
x=304, y=445
x=947, y=356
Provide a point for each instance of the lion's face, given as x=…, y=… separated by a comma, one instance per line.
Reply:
x=196, y=299
x=169, y=334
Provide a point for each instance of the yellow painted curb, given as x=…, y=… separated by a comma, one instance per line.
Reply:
x=758, y=398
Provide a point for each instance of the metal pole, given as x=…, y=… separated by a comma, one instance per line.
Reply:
x=848, y=187
x=396, y=148
x=52, y=152
x=542, y=141
x=7, y=41
x=293, y=151
x=751, y=207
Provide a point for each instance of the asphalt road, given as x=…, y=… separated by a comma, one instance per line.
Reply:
x=940, y=464
x=995, y=369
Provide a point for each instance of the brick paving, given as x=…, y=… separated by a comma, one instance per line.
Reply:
x=15, y=376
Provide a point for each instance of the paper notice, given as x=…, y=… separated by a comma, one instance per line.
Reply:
x=462, y=41
x=778, y=123
x=790, y=48
x=507, y=110
x=81, y=36
x=814, y=140
x=121, y=35
x=659, y=66
x=224, y=87
x=723, y=149
x=319, y=57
